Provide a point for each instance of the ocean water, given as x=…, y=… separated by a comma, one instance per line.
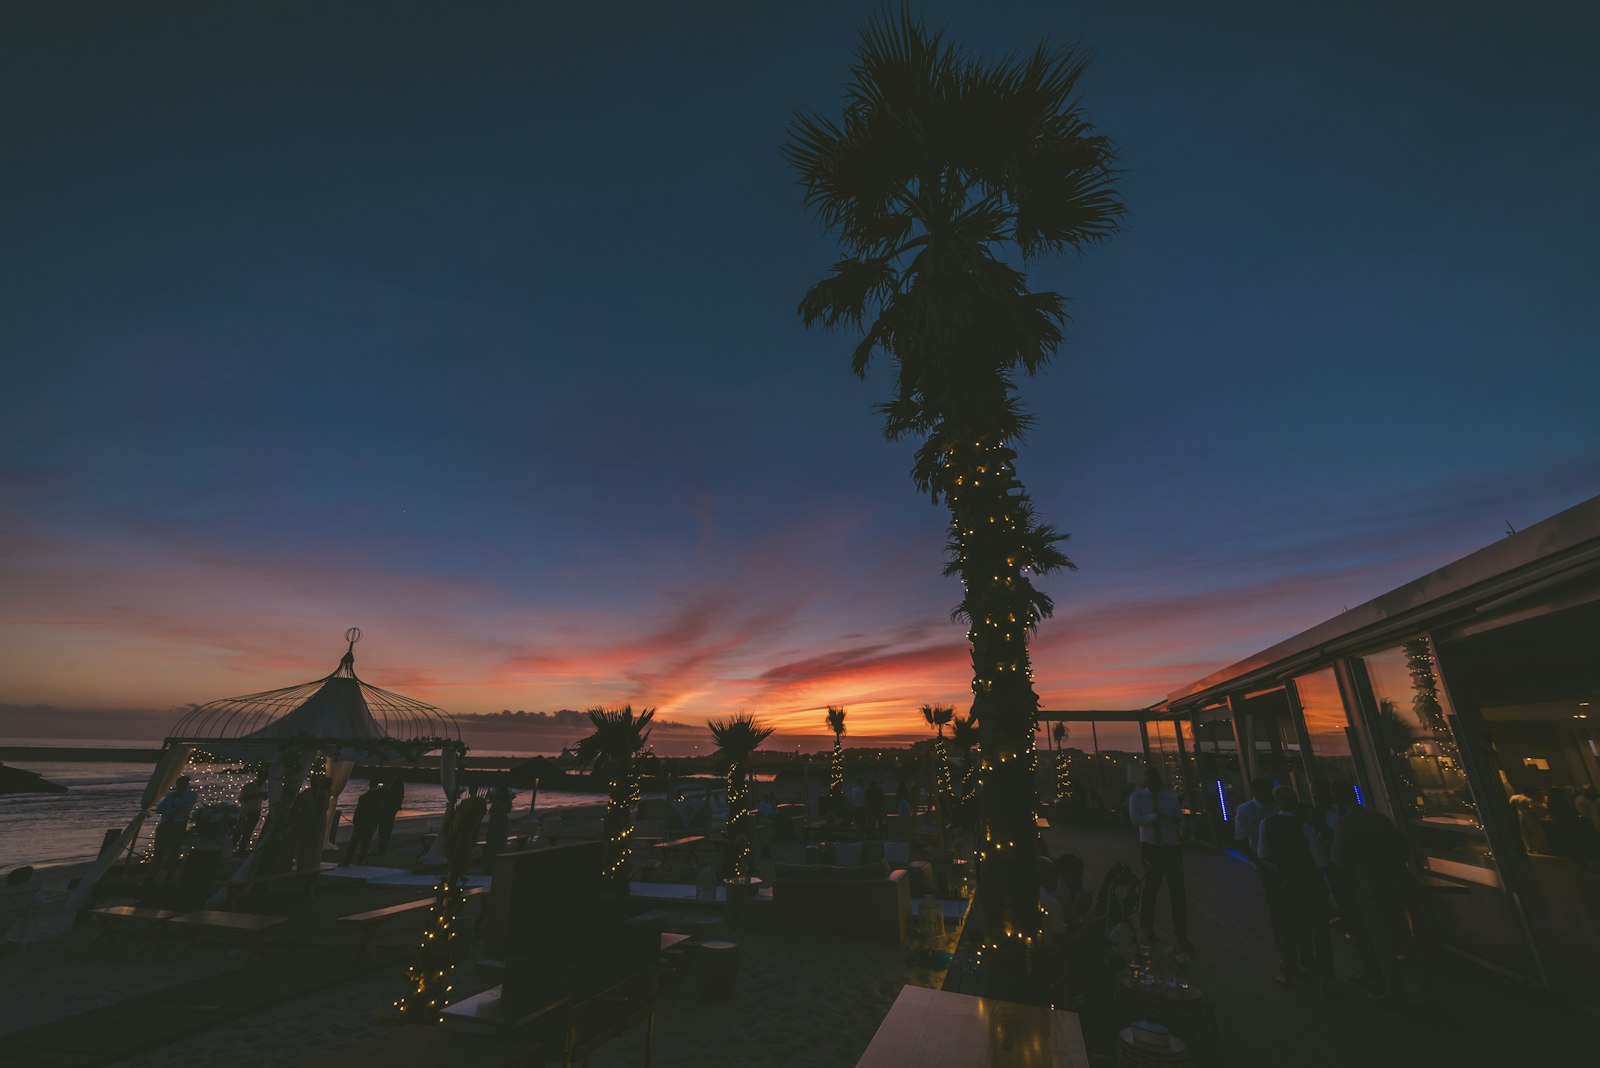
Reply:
x=45, y=829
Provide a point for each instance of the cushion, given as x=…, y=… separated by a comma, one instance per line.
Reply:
x=897, y=853
x=876, y=870
x=794, y=873
x=847, y=854
x=871, y=850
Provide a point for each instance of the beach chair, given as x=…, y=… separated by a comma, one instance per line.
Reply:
x=17, y=901
x=597, y=1020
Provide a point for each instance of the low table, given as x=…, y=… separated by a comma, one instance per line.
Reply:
x=490, y=1013
x=241, y=927
x=678, y=851
x=935, y=1029
x=1182, y=1010
x=116, y=915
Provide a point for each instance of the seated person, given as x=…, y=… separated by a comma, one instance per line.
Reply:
x=1076, y=928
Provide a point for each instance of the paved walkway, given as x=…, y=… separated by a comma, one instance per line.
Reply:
x=1476, y=1019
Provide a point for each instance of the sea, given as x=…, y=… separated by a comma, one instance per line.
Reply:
x=51, y=829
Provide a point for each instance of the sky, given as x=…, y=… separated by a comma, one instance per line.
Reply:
x=475, y=328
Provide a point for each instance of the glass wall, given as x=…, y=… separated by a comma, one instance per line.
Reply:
x=1431, y=789
x=1327, y=727
x=1217, y=769
x=1434, y=804
x=1274, y=743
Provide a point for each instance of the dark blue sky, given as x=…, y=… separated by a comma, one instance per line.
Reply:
x=477, y=329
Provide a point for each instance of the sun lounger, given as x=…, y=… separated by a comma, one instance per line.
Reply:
x=114, y=916
x=367, y=923
x=237, y=889
x=241, y=928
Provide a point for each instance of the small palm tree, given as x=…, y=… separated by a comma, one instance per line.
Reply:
x=964, y=736
x=1063, y=762
x=936, y=716
x=737, y=739
x=617, y=749
x=836, y=772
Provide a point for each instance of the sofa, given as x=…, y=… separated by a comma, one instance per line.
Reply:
x=862, y=901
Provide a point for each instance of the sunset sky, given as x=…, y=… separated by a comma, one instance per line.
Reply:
x=479, y=332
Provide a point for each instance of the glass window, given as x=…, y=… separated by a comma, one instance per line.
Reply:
x=1327, y=725
x=1432, y=792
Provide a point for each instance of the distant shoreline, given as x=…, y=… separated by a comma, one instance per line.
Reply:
x=65, y=754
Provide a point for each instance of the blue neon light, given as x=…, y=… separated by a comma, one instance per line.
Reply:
x=1359, y=800
x=1222, y=798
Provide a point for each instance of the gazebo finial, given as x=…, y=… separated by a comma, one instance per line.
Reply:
x=347, y=666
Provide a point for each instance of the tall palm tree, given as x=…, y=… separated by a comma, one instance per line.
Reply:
x=617, y=749
x=936, y=716
x=836, y=771
x=737, y=739
x=940, y=170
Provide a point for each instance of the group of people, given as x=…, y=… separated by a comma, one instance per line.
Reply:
x=1306, y=852
x=1560, y=821
x=1075, y=928
x=375, y=812
x=1332, y=845
x=868, y=803
x=215, y=827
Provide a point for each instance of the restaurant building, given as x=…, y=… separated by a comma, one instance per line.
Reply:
x=1466, y=706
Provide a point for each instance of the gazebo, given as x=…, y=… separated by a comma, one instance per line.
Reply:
x=324, y=727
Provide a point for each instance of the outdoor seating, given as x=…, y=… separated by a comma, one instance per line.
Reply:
x=16, y=903
x=679, y=853
x=868, y=901
x=597, y=1020
x=112, y=917
x=240, y=928
x=367, y=923
x=236, y=890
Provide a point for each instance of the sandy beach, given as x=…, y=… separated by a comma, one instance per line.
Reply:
x=802, y=998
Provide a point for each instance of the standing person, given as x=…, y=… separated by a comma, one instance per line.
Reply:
x=1289, y=845
x=902, y=800
x=858, y=804
x=1248, y=816
x=873, y=806
x=364, y=823
x=499, y=824
x=252, y=795
x=394, y=796
x=174, y=811
x=1344, y=892
x=1159, y=816
x=1372, y=854
x=1246, y=822
x=307, y=819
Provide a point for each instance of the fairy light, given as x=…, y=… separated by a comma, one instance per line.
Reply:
x=1430, y=713
x=620, y=806
x=433, y=966
x=836, y=769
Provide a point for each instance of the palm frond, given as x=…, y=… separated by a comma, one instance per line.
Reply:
x=836, y=719
x=738, y=736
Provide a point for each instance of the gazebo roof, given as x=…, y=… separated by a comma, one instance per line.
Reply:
x=339, y=708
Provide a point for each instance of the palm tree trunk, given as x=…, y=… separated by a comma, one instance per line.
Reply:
x=618, y=825
x=988, y=526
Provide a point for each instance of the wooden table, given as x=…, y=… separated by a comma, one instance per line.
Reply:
x=242, y=927
x=113, y=915
x=932, y=1028
x=491, y=1013
x=678, y=851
